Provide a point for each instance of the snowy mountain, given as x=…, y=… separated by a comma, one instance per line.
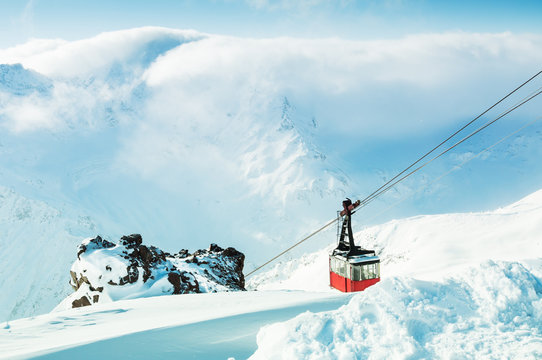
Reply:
x=190, y=138
x=19, y=81
x=36, y=241
x=91, y=138
x=105, y=272
x=454, y=285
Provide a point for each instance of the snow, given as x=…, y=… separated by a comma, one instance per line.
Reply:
x=104, y=271
x=192, y=326
x=37, y=246
x=452, y=287
x=492, y=311
x=427, y=247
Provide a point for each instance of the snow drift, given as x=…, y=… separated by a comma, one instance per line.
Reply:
x=453, y=285
x=105, y=272
x=490, y=311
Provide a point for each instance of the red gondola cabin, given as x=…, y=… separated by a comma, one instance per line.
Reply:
x=352, y=268
x=354, y=272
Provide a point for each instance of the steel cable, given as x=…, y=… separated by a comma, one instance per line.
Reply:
x=450, y=137
x=384, y=188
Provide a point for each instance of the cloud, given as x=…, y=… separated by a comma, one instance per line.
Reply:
x=226, y=125
x=365, y=83
x=94, y=56
x=27, y=17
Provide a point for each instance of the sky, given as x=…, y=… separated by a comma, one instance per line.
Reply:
x=366, y=19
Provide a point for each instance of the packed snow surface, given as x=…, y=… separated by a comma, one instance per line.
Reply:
x=191, y=326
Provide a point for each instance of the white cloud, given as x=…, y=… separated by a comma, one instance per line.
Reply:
x=188, y=132
x=91, y=57
x=27, y=17
x=201, y=116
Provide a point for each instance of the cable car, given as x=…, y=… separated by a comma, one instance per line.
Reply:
x=352, y=268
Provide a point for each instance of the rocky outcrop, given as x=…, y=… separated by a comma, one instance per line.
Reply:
x=105, y=271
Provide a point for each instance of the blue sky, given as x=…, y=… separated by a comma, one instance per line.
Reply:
x=71, y=20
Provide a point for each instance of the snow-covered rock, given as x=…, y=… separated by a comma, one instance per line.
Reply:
x=105, y=272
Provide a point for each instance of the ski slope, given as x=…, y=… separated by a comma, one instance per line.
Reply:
x=193, y=326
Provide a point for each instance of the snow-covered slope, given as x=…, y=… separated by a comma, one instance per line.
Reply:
x=36, y=241
x=93, y=128
x=468, y=294
x=489, y=311
x=192, y=326
x=427, y=247
x=466, y=285
x=192, y=138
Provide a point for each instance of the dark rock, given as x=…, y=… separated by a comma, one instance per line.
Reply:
x=190, y=283
x=215, y=248
x=131, y=241
x=81, y=249
x=147, y=273
x=94, y=244
x=219, y=268
x=175, y=279
x=231, y=252
x=80, y=302
x=182, y=254
x=146, y=255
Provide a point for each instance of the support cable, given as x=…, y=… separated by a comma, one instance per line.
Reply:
x=372, y=218
x=451, y=136
x=388, y=185
x=293, y=246
x=368, y=200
